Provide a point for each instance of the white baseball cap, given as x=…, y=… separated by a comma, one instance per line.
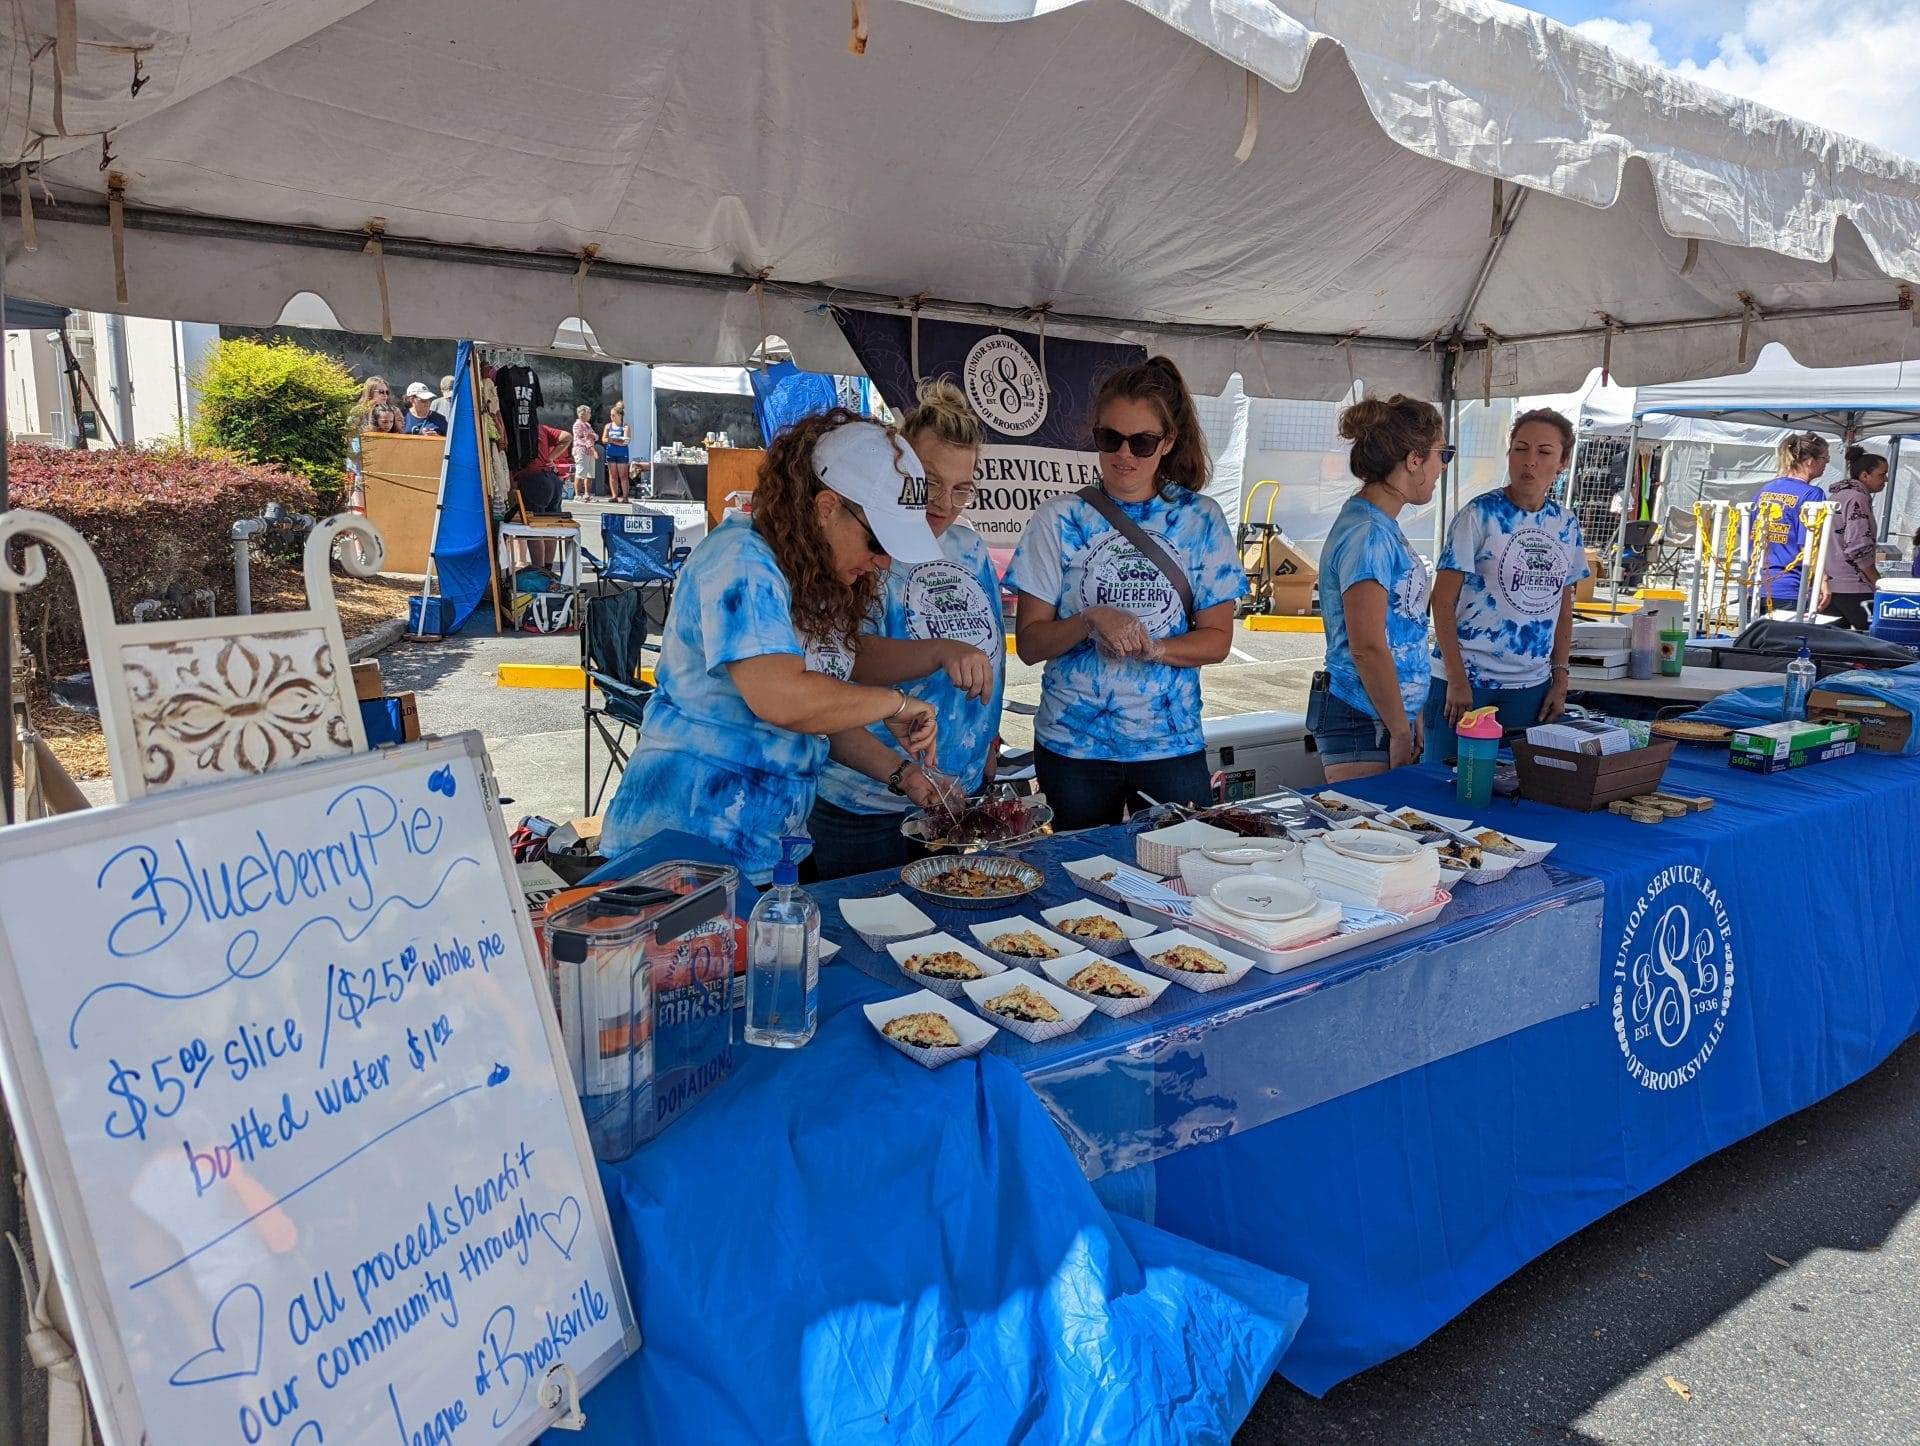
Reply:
x=870, y=467
x=419, y=389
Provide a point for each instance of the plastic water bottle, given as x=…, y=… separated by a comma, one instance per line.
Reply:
x=1477, y=739
x=783, y=958
x=1800, y=675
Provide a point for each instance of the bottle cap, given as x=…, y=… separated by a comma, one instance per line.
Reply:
x=1480, y=723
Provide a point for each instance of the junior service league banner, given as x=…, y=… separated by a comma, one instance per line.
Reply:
x=1038, y=441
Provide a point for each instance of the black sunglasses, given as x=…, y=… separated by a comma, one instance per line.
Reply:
x=1141, y=444
x=853, y=511
x=1448, y=453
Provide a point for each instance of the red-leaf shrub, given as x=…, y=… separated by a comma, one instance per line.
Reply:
x=158, y=518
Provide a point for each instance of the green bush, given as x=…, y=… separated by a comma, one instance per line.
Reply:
x=275, y=402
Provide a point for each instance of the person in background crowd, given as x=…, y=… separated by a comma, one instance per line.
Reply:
x=1853, y=570
x=1803, y=457
x=1122, y=632
x=537, y=487
x=940, y=634
x=615, y=436
x=758, y=650
x=374, y=392
x=586, y=451
x=443, y=404
x=1503, y=596
x=421, y=416
x=1365, y=709
x=386, y=418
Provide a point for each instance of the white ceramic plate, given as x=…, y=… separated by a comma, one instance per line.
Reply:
x=1073, y=1008
x=974, y=1032
x=1061, y=970
x=1237, y=965
x=1268, y=900
x=987, y=932
x=1109, y=948
x=906, y=949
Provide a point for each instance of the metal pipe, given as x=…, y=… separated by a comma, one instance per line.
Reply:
x=243, y=530
x=1893, y=481
x=120, y=383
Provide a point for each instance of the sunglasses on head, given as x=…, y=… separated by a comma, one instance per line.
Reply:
x=1141, y=444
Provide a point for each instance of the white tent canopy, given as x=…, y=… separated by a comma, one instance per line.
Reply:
x=1860, y=401
x=722, y=381
x=1465, y=191
x=1606, y=409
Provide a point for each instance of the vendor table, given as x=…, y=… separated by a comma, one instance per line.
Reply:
x=1692, y=685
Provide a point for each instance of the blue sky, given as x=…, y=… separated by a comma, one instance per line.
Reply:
x=1843, y=64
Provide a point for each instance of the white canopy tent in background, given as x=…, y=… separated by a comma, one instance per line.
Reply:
x=1303, y=193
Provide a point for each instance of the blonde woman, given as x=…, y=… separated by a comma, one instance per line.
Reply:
x=940, y=636
x=586, y=452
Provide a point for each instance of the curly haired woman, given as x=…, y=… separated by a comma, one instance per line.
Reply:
x=759, y=645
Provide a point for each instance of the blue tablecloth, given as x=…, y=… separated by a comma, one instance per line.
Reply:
x=841, y=1246
x=1756, y=958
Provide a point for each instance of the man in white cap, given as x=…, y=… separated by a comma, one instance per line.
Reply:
x=754, y=682
x=421, y=416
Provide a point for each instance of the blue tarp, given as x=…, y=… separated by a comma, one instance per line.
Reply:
x=462, y=540
x=782, y=394
x=1788, y=971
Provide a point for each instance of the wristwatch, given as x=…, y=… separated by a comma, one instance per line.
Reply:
x=893, y=779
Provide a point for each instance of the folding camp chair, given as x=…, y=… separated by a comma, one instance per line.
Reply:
x=1672, y=550
x=617, y=620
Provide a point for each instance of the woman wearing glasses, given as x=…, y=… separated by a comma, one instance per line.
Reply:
x=940, y=635
x=1503, y=600
x=1126, y=590
x=1364, y=711
x=757, y=653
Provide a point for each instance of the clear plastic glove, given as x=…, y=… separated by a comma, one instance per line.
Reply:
x=969, y=670
x=916, y=726
x=920, y=788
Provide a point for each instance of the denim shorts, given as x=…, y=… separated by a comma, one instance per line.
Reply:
x=1344, y=734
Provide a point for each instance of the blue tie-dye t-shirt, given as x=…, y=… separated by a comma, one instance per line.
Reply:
x=1366, y=545
x=957, y=597
x=1516, y=568
x=1093, y=706
x=705, y=763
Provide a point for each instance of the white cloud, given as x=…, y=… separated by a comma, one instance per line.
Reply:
x=1842, y=64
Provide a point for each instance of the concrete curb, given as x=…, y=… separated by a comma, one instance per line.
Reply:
x=378, y=640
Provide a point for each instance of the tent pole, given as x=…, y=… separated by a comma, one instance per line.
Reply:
x=1450, y=412
x=1626, y=487
x=1893, y=481
x=472, y=380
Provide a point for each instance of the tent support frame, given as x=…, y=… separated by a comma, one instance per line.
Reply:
x=177, y=223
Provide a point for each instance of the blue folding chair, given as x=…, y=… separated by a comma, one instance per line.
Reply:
x=638, y=546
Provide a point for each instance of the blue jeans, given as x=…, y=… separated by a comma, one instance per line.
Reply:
x=1519, y=708
x=845, y=842
x=1342, y=734
x=1092, y=792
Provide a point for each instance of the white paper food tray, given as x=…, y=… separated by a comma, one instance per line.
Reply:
x=1016, y=924
x=975, y=1033
x=1074, y=1008
x=1061, y=970
x=1238, y=964
x=880, y=921
x=1106, y=948
x=1086, y=874
x=1281, y=961
x=902, y=950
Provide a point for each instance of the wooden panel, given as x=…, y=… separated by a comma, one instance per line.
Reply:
x=729, y=469
x=402, y=475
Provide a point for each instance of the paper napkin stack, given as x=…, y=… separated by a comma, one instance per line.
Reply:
x=1400, y=886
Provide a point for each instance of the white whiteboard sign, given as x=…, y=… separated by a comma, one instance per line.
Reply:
x=278, y=1063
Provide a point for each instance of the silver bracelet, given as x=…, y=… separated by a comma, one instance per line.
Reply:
x=901, y=709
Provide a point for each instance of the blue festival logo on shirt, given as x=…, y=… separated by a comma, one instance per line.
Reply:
x=944, y=600
x=1411, y=592
x=830, y=657
x=1673, y=979
x=1117, y=576
x=1531, y=570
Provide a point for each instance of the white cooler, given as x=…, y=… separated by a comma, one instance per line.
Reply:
x=1257, y=753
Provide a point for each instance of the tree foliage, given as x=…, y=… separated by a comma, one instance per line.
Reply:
x=276, y=402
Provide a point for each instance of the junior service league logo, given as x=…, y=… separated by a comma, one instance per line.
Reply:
x=1003, y=383
x=1673, y=979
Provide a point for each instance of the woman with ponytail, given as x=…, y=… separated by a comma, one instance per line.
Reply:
x=939, y=635
x=1126, y=591
x=1780, y=533
x=1365, y=709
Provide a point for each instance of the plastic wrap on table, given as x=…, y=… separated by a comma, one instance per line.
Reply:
x=1193, y=1067
x=841, y=1247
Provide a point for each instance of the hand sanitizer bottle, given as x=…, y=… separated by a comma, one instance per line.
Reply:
x=1800, y=675
x=783, y=958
